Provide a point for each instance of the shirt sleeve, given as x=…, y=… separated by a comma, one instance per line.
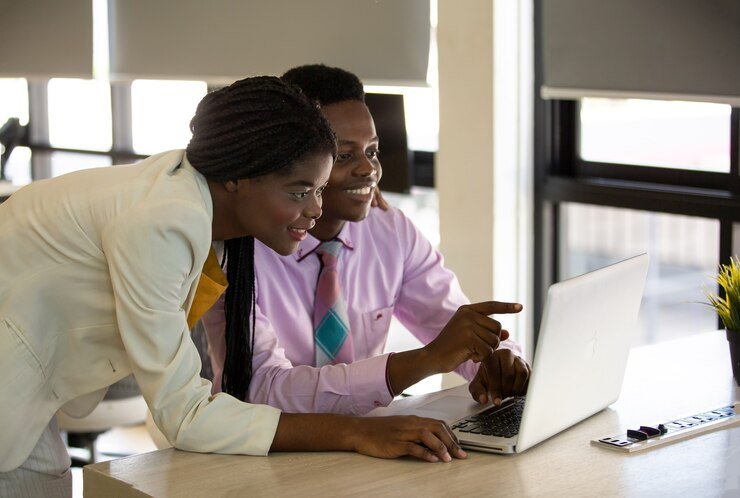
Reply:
x=352, y=389
x=153, y=259
x=430, y=294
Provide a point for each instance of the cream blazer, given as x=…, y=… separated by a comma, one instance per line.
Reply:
x=97, y=271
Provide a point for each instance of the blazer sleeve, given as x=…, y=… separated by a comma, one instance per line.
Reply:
x=154, y=256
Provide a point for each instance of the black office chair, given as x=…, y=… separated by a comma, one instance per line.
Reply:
x=11, y=135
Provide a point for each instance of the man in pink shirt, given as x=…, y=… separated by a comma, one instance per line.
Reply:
x=386, y=268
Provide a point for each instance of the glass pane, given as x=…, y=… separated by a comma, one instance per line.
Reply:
x=80, y=114
x=684, y=135
x=683, y=254
x=421, y=109
x=18, y=168
x=161, y=113
x=13, y=100
x=422, y=118
x=67, y=162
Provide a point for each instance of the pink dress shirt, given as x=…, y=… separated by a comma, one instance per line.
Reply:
x=387, y=268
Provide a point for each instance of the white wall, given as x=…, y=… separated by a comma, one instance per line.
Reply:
x=464, y=172
x=484, y=165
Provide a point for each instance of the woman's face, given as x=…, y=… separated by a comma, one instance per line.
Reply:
x=357, y=170
x=278, y=209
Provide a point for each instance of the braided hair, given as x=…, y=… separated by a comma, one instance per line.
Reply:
x=250, y=128
x=326, y=84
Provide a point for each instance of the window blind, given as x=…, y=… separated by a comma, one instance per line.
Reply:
x=663, y=49
x=382, y=41
x=46, y=38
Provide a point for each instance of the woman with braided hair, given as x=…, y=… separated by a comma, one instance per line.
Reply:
x=100, y=268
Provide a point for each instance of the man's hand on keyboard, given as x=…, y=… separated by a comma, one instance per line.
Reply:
x=502, y=375
x=471, y=334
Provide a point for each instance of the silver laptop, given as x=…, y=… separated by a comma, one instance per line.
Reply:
x=585, y=335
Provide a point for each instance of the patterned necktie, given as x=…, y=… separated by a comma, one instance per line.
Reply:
x=331, y=325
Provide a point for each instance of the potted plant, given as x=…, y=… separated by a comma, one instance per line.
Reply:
x=728, y=308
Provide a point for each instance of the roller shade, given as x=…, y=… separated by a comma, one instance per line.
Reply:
x=45, y=38
x=382, y=41
x=664, y=49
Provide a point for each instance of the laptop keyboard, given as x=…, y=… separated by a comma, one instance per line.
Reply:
x=502, y=421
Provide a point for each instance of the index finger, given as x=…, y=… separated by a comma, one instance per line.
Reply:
x=493, y=307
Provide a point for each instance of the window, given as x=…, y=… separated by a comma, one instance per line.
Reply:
x=161, y=113
x=422, y=114
x=680, y=208
x=683, y=251
x=618, y=176
x=13, y=100
x=686, y=135
x=80, y=114
x=67, y=162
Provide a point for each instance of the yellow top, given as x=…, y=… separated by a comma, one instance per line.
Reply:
x=211, y=285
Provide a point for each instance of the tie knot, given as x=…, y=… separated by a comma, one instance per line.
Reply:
x=329, y=251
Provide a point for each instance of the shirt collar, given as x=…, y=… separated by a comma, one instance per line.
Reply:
x=311, y=243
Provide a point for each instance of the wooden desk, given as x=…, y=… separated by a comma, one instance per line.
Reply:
x=663, y=382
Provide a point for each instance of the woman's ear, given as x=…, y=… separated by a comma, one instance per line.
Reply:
x=241, y=187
